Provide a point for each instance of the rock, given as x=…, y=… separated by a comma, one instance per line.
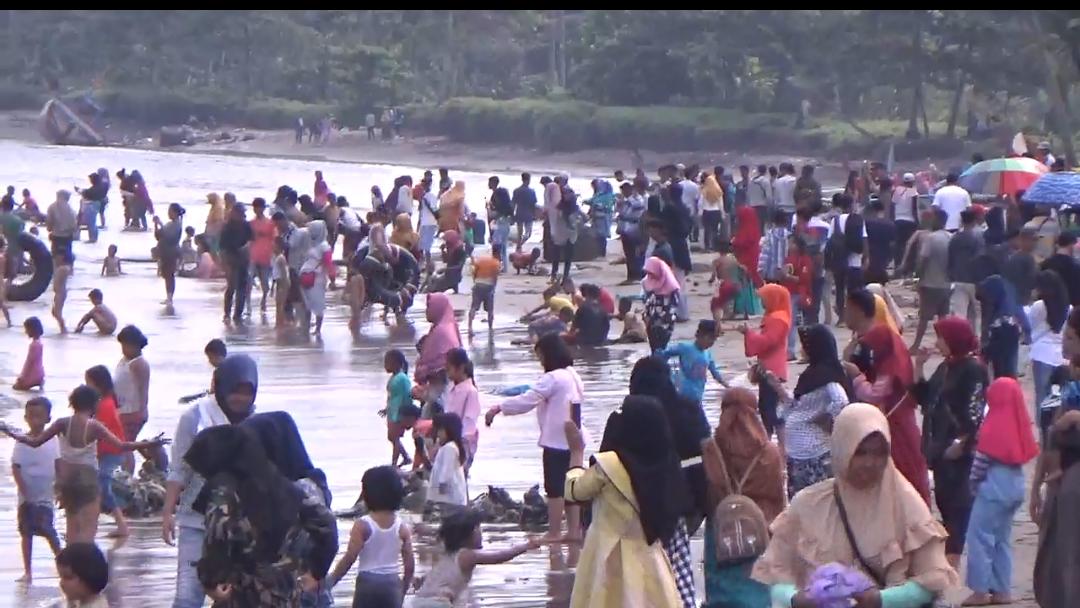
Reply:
x=142, y=495
x=534, y=511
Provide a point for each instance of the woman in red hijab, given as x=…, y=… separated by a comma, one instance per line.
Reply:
x=952, y=400
x=746, y=244
x=882, y=375
x=1005, y=444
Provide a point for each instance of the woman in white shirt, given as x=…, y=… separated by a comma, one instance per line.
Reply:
x=1047, y=316
x=905, y=214
x=556, y=397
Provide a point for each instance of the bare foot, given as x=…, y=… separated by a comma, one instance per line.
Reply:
x=1000, y=599
x=977, y=599
x=25, y=578
x=550, y=538
x=571, y=538
x=118, y=533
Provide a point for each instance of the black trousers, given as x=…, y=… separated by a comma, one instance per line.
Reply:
x=631, y=247
x=767, y=402
x=904, y=232
x=710, y=221
x=236, y=285
x=846, y=280
x=566, y=254
x=953, y=497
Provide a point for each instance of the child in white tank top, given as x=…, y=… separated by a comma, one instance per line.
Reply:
x=381, y=542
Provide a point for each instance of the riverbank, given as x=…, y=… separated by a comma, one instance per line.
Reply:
x=440, y=151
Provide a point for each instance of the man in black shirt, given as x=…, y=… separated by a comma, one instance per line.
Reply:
x=880, y=236
x=591, y=324
x=233, y=251
x=1067, y=267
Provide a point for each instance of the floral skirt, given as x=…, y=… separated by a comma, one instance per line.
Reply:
x=803, y=473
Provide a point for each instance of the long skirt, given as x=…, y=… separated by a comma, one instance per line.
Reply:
x=678, y=551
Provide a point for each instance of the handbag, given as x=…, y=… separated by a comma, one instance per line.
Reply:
x=879, y=580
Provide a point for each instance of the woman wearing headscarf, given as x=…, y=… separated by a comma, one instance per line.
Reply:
x=886, y=311
x=952, y=401
x=689, y=428
x=1004, y=446
x=882, y=375
x=313, y=274
x=868, y=517
x=769, y=345
x=746, y=244
x=555, y=397
x=215, y=221
x=1047, y=316
x=452, y=208
x=1001, y=326
x=739, y=450
x=1056, y=583
x=236, y=383
x=601, y=210
x=268, y=537
x=631, y=487
x=806, y=416
x=443, y=336
x=662, y=297
x=404, y=235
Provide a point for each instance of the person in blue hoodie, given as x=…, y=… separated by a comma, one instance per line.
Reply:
x=695, y=361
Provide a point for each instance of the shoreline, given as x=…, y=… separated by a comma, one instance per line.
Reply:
x=429, y=152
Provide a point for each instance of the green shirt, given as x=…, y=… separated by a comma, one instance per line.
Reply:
x=398, y=393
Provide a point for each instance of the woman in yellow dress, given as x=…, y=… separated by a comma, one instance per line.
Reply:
x=623, y=563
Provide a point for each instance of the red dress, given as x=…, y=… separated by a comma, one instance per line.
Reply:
x=746, y=244
x=887, y=386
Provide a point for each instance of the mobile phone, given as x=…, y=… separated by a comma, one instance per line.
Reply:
x=575, y=414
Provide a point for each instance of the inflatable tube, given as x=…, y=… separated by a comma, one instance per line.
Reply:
x=29, y=286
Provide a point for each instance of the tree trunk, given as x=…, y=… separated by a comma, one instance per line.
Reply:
x=922, y=110
x=954, y=110
x=1059, y=107
x=916, y=91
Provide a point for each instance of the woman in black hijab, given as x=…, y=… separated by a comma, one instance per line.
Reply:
x=806, y=415
x=687, y=427
x=265, y=531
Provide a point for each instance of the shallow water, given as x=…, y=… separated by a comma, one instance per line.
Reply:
x=333, y=388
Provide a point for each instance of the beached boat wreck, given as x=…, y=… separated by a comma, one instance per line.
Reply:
x=60, y=125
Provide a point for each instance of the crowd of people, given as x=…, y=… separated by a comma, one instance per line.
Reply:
x=812, y=488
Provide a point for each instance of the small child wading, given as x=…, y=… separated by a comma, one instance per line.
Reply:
x=378, y=540
x=34, y=472
x=398, y=401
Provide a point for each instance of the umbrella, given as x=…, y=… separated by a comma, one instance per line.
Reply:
x=1002, y=175
x=1055, y=189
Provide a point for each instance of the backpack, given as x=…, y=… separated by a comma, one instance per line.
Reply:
x=835, y=249
x=739, y=527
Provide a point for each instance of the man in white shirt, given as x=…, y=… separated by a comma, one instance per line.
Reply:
x=429, y=226
x=690, y=195
x=952, y=199
x=759, y=195
x=784, y=188
x=905, y=207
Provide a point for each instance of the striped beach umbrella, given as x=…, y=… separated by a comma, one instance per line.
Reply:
x=1002, y=175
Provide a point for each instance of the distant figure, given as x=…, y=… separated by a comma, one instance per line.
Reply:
x=300, y=129
x=369, y=121
x=33, y=370
x=110, y=267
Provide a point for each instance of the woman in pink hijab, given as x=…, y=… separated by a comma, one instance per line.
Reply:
x=443, y=336
x=661, y=302
x=321, y=190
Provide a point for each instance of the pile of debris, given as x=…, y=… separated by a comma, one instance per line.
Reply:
x=142, y=495
x=495, y=506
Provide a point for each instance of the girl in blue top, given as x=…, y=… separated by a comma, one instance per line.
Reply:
x=398, y=398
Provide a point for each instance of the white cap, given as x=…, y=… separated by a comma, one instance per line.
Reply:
x=909, y=177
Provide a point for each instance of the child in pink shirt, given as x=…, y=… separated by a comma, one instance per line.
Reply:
x=33, y=371
x=464, y=399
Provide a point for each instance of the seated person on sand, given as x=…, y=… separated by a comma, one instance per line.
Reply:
x=591, y=324
x=110, y=267
x=454, y=257
x=206, y=268
x=551, y=323
x=633, y=325
x=554, y=302
x=735, y=293
x=373, y=281
x=100, y=315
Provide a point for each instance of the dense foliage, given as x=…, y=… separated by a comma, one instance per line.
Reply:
x=921, y=66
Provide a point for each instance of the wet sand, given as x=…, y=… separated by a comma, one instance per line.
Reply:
x=333, y=388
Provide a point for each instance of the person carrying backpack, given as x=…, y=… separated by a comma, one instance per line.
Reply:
x=844, y=250
x=745, y=492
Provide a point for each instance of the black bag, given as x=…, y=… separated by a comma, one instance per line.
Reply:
x=835, y=248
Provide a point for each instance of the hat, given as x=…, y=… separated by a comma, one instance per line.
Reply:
x=680, y=166
x=1043, y=145
x=909, y=177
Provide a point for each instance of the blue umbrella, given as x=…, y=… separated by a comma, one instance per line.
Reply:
x=1055, y=189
